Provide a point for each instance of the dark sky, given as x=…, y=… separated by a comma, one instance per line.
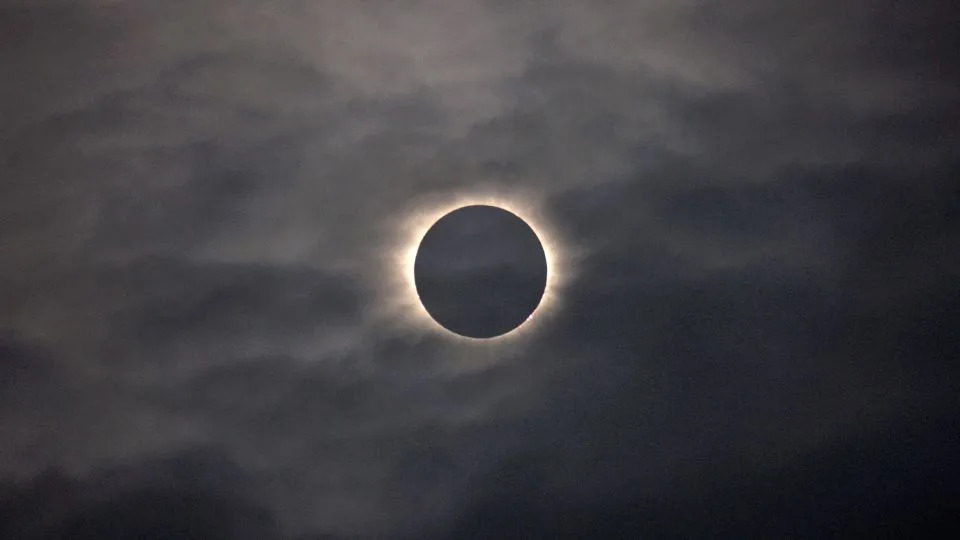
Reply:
x=206, y=328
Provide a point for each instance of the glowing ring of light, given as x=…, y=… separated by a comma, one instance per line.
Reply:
x=414, y=227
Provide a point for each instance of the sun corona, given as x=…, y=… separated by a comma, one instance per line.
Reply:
x=415, y=225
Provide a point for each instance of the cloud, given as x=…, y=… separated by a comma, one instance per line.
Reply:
x=869, y=486
x=192, y=495
x=199, y=206
x=758, y=399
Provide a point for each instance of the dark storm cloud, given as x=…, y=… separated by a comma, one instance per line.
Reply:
x=756, y=338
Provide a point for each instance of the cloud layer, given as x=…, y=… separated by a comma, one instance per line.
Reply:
x=199, y=217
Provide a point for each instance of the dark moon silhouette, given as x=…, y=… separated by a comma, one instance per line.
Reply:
x=480, y=271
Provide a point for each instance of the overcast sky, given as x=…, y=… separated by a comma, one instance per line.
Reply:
x=205, y=321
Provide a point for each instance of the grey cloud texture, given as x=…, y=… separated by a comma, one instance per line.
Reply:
x=198, y=210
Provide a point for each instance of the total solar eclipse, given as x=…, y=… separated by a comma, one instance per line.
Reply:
x=480, y=271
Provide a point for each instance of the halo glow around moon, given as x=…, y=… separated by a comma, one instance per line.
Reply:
x=414, y=226
x=481, y=271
